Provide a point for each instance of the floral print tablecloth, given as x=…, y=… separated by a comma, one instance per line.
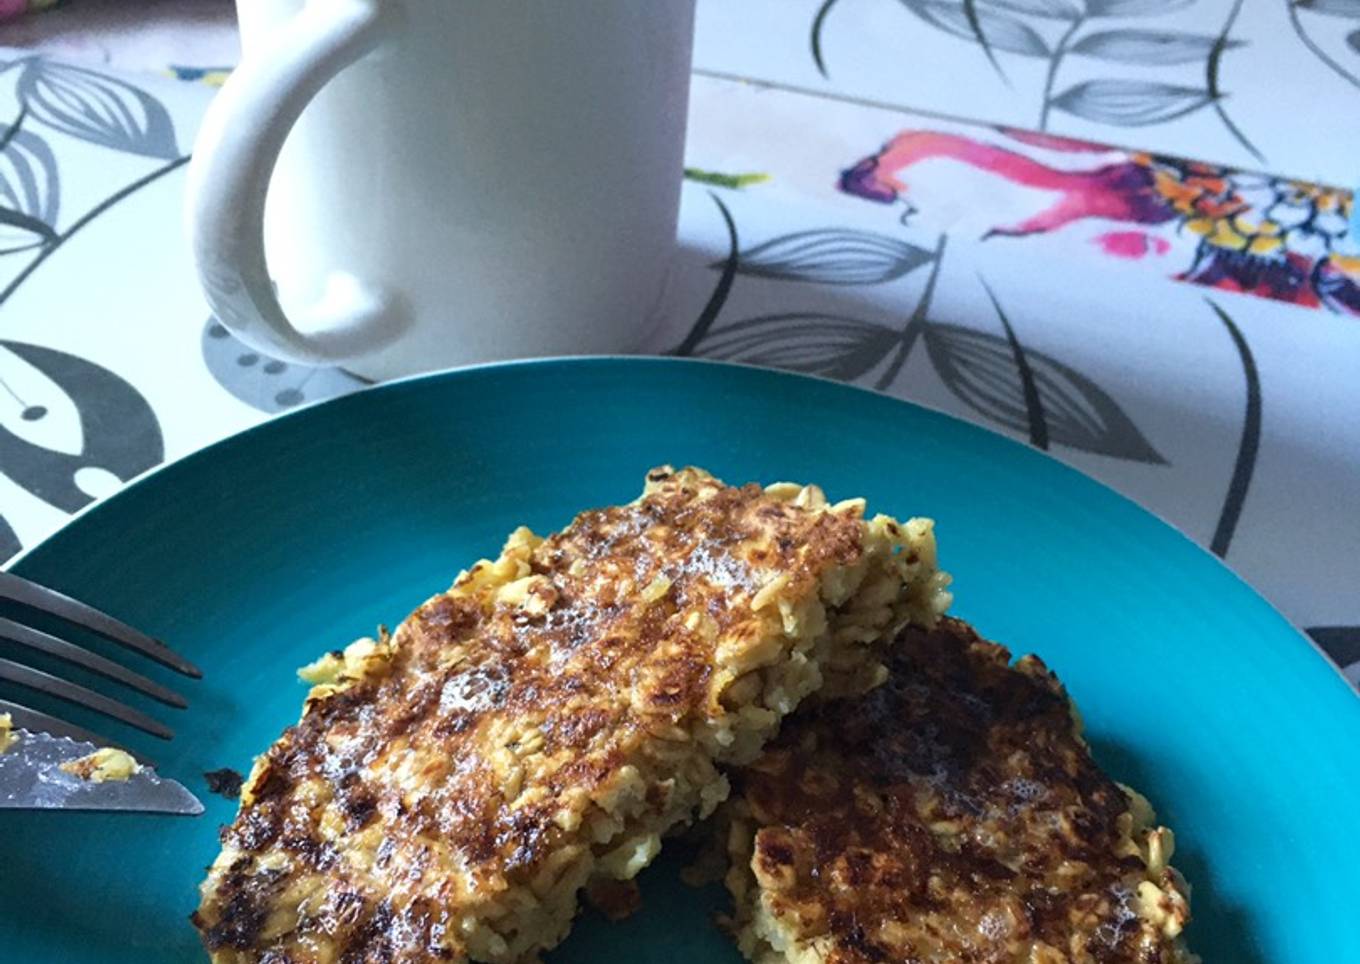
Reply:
x=919, y=196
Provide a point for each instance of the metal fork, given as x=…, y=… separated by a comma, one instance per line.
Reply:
x=40, y=598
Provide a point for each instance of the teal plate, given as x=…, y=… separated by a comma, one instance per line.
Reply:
x=255, y=555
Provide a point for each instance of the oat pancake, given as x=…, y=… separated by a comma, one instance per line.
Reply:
x=451, y=788
x=953, y=814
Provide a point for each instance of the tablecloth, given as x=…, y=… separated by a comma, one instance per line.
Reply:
x=918, y=196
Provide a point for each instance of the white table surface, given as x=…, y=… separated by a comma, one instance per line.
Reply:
x=1229, y=413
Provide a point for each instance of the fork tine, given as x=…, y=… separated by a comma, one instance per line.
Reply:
x=71, y=653
x=37, y=721
x=26, y=719
x=71, y=692
x=19, y=590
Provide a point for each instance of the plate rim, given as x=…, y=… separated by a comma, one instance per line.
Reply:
x=662, y=361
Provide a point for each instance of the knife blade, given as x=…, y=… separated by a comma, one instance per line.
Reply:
x=31, y=778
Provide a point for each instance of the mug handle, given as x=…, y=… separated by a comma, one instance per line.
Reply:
x=228, y=179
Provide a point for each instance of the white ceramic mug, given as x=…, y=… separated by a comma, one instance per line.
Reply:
x=462, y=180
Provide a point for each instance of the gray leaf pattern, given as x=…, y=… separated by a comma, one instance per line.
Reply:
x=836, y=256
x=119, y=431
x=1348, y=9
x=1341, y=643
x=980, y=369
x=1129, y=102
x=1331, y=8
x=1052, y=9
x=9, y=542
x=269, y=384
x=30, y=193
x=1150, y=47
x=97, y=108
x=832, y=346
x=1001, y=30
x=1133, y=8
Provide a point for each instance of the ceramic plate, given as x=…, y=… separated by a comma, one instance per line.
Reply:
x=255, y=555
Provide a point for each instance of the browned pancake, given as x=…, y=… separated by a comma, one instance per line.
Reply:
x=451, y=789
x=953, y=814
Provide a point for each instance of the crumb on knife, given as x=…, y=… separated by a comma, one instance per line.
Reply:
x=103, y=765
x=7, y=735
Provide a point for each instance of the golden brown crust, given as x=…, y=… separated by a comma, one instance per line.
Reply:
x=449, y=790
x=953, y=814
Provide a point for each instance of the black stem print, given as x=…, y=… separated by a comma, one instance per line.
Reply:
x=1316, y=50
x=49, y=249
x=1059, y=52
x=911, y=331
x=720, y=291
x=975, y=24
x=13, y=128
x=1211, y=68
x=13, y=394
x=818, y=22
x=1247, y=448
x=1034, y=406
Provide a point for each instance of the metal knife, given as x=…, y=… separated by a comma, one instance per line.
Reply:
x=31, y=778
